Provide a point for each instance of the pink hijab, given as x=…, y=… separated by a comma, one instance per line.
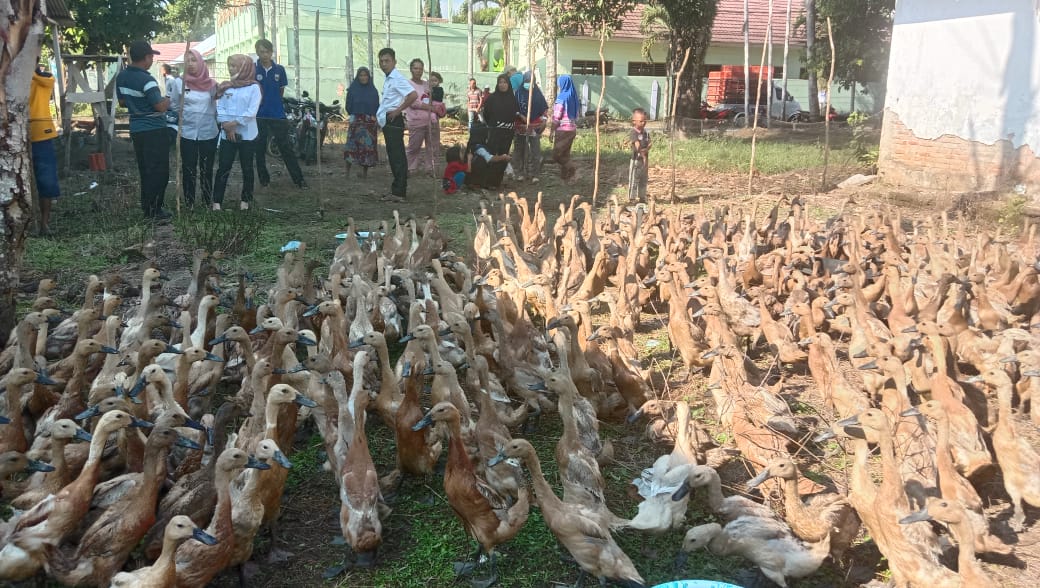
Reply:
x=201, y=81
x=242, y=71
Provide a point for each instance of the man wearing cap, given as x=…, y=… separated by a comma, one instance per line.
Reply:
x=138, y=91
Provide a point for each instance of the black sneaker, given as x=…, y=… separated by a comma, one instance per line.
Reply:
x=161, y=215
x=302, y=184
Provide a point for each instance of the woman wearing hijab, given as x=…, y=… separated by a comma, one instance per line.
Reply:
x=564, y=129
x=362, y=104
x=528, y=147
x=198, y=129
x=238, y=99
x=500, y=112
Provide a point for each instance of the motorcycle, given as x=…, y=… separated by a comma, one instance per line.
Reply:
x=589, y=120
x=309, y=123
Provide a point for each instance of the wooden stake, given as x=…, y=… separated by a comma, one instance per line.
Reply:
x=827, y=112
x=675, y=127
x=787, y=45
x=317, y=112
x=758, y=106
x=599, y=105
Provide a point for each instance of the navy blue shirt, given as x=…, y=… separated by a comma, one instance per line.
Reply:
x=140, y=92
x=271, y=83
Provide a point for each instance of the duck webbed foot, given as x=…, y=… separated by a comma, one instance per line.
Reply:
x=465, y=568
x=534, y=417
x=490, y=580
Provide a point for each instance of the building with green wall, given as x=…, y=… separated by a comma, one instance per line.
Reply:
x=630, y=74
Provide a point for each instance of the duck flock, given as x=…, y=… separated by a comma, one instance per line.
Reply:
x=921, y=341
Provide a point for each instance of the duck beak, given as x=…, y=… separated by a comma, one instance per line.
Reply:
x=313, y=310
x=194, y=424
x=635, y=416
x=921, y=515
x=257, y=330
x=304, y=401
x=912, y=411
x=283, y=461
x=428, y=371
x=174, y=323
x=83, y=435
x=698, y=313
x=445, y=332
x=91, y=412
x=406, y=369
x=824, y=436
x=852, y=421
x=136, y=422
x=804, y=342
x=682, y=492
x=426, y=421
x=109, y=350
x=187, y=443
x=910, y=329
x=218, y=340
x=203, y=537
x=972, y=380
x=172, y=349
x=211, y=436
x=256, y=464
x=870, y=365
x=4, y=420
x=356, y=343
x=860, y=354
x=42, y=378
x=710, y=354
x=38, y=466
x=299, y=368
x=406, y=338
x=539, y=387
x=758, y=480
x=553, y=324
x=592, y=337
x=1031, y=373
x=138, y=386
x=1009, y=359
x=303, y=340
x=216, y=358
x=123, y=362
x=494, y=461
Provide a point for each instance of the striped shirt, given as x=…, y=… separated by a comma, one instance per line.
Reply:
x=139, y=91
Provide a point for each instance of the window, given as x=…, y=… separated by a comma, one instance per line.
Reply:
x=636, y=68
x=589, y=68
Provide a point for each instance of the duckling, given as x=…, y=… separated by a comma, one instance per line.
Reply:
x=486, y=517
x=197, y=564
x=578, y=528
x=45, y=525
x=163, y=573
x=766, y=542
x=825, y=515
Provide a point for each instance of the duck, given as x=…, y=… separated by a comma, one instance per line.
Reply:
x=389, y=397
x=952, y=513
x=766, y=542
x=107, y=542
x=485, y=515
x=198, y=563
x=57, y=474
x=247, y=508
x=163, y=573
x=17, y=382
x=45, y=525
x=578, y=528
x=728, y=508
x=825, y=516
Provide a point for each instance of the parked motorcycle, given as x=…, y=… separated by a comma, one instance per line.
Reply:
x=307, y=122
x=589, y=120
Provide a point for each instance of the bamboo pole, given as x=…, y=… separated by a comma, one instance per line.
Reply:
x=469, y=35
x=371, y=46
x=350, y=47
x=769, y=61
x=296, y=46
x=317, y=114
x=386, y=14
x=599, y=105
x=530, y=90
x=787, y=45
x=827, y=112
x=675, y=127
x=747, y=64
x=274, y=27
x=260, y=19
x=758, y=106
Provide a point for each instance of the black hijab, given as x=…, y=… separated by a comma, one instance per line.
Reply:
x=500, y=108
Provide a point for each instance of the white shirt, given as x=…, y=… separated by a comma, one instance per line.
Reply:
x=173, y=90
x=240, y=105
x=395, y=89
x=199, y=122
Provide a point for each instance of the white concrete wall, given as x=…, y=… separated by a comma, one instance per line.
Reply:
x=967, y=68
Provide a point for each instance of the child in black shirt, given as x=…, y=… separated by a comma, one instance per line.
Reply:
x=639, y=139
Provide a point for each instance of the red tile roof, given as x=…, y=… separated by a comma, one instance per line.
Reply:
x=169, y=51
x=729, y=22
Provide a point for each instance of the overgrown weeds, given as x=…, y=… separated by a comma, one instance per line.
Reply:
x=232, y=233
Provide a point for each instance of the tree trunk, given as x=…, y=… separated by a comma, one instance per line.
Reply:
x=18, y=55
x=550, y=70
x=259, y=20
x=810, y=41
x=691, y=81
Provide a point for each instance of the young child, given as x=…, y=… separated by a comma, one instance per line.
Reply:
x=639, y=139
x=437, y=94
x=460, y=170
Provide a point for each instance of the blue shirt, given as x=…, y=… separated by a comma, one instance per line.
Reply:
x=271, y=83
x=140, y=93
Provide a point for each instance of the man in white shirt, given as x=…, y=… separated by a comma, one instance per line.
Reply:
x=398, y=94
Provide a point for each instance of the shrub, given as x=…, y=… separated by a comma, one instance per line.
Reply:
x=233, y=233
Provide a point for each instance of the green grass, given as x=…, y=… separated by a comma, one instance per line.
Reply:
x=714, y=153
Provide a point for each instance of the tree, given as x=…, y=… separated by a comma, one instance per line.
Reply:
x=108, y=26
x=481, y=16
x=20, y=31
x=189, y=20
x=682, y=24
x=432, y=8
x=862, y=30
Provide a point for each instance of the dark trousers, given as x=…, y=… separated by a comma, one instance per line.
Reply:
x=197, y=164
x=152, y=151
x=278, y=128
x=228, y=151
x=393, y=134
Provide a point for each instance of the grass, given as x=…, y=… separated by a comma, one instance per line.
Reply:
x=718, y=153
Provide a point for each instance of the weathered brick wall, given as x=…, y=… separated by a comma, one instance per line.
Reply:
x=950, y=162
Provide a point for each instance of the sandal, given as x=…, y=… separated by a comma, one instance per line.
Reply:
x=391, y=198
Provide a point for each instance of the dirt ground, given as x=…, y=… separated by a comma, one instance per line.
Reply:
x=310, y=512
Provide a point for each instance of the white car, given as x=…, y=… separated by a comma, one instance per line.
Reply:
x=782, y=108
